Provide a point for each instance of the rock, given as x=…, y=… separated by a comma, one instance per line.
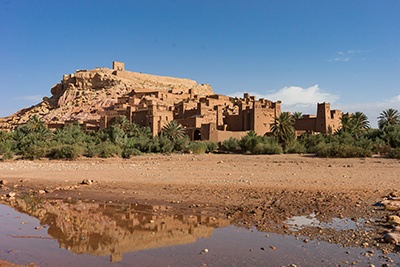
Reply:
x=392, y=238
x=391, y=205
x=393, y=220
x=3, y=182
x=87, y=182
x=11, y=194
x=40, y=192
x=395, y=194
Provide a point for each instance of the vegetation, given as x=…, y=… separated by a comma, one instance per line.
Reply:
x=283, y=129
x=123, y=139
x=388, y=117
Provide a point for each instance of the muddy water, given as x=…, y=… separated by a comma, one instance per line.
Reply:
x=75, y=233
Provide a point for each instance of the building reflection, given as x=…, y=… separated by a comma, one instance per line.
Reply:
x=114, y=229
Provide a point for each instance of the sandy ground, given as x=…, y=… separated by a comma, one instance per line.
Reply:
x=255, y=190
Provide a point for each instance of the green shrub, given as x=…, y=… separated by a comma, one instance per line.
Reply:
x=36, y=151
x=90, y=150
x=231, y=144
x=69, y=135
x=267, y=148
x=342, y=151
x=391, y=135
x=211, y=146
x=249, y=141
x=198, y=147
x=322, y=150
x=66, y=152
x=296, y=147
x=5, y=146
x=130, y=151
x=7, y=156
x=108, y=150
x=394, y=153
x=182, y=143
x=162, y=144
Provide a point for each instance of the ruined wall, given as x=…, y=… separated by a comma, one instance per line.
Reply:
x=118, y=65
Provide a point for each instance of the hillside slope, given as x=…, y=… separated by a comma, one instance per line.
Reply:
x=86, y=93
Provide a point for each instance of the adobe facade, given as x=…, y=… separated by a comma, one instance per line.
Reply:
x=326, y=121
x=213, y=117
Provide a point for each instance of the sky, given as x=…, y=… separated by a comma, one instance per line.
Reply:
x=301, y=52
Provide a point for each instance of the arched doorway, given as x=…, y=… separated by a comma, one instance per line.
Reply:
x=197, y=135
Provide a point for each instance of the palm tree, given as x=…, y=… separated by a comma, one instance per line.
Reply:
x=283, y=129
x=347, y=124
x=360, y=120
x=123, y=123
x=36, y=125
x=354, y=123
x=388, y=117
x=297, y=115
x=173, y=131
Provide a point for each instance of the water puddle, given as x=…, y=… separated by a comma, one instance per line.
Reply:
x=299, y=222
x=75, y=233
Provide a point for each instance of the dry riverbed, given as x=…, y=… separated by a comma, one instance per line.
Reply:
x=261, y=191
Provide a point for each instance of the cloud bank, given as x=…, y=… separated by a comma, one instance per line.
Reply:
x=296, y=98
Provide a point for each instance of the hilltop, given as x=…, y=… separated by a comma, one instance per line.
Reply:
x=84, y=94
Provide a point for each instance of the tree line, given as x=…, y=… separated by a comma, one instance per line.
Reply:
x=123, y=139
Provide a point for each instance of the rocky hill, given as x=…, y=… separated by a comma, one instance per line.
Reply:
x=86, y=93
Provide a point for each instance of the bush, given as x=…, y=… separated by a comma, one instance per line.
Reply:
x=232, y=144
x=7, y=156
x=198, y=147
x=130, y=151
x=296, y=147
x=394, y=153
x=342, y=151
x=211, y=146
x=182, y=143
x=90, y=150
x=162, y=144
x=267, y=148
x=66, y=152
x=108, y=150
x=5, y=146
x=249, y=141
x=35, y=152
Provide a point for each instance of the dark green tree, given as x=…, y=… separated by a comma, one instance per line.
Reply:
x=282, y=128
x=174, y=131
x=297, y=115
x=388, y=117
x=361, y=121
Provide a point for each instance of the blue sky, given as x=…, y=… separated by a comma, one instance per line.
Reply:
x=301, y=52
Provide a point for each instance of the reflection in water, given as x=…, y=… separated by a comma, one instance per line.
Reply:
x=115, y=229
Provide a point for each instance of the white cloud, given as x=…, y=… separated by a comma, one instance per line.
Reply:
x=31, y=98
x=296, y=98
x=349, y=55
x=296, y=95
x=396, y=99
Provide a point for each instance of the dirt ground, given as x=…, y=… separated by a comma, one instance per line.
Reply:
x=261, y=191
